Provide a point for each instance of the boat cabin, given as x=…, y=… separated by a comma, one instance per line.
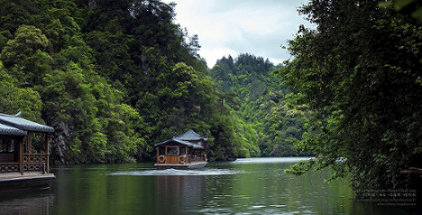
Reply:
x=188, y=150
x=18, y=156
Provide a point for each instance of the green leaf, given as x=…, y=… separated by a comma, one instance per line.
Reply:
x=400, y=4
x=385, y=4
x=417, y=14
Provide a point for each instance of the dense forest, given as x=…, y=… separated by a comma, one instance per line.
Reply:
x=115, y=77
x=359, y=75
x=266, y=122
x=112, y=78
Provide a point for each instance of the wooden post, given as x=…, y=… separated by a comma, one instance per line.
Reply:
x=165, y=161
x=47, y=149
x=205, y=150
x=158, y=153
x=29, y=143
x=186, y=155
x=20, y=155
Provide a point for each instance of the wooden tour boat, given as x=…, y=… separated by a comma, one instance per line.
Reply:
x=186, y=151
x=21, y=167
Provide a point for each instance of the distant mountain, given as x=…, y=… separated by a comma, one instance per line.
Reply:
x=256, y=97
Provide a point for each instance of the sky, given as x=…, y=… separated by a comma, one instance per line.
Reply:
x=233, y=27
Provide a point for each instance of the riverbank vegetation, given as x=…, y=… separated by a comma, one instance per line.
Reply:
x=359, y=73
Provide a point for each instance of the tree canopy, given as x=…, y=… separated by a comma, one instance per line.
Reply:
x=359, y=73
x=112, y=78
x=266, y=123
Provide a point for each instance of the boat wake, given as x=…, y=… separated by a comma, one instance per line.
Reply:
x=176, y=172
x=270, y=160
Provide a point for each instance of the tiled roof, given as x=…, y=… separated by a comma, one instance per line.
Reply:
x=191, y=135
x=177, y=140
x=8, y=130
x=23, y=124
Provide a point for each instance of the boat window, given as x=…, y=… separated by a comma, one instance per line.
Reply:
x=3, y=146
x=162, y=150
x=182, y=150
x=172, y=150
x=11, y=146
x=7, y=145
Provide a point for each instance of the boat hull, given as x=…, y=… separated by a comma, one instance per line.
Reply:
x=193, y=165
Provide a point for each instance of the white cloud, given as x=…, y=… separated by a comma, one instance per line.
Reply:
x=239, y=26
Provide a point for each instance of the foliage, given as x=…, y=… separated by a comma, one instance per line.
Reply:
x=113, y=78
x=408, y=7
x=13, y=98
x=265, y=124
x=359, y=74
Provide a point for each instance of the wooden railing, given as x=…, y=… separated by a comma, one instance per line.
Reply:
x=194, y=158
x=31, y=162
x=9, y=167
x=34, y=162
x=173, y=159
x=179, y=159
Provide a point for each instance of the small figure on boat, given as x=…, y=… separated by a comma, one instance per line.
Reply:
x=188, y=150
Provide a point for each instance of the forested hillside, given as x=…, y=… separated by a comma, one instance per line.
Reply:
x=266, y=123
x=112, y=78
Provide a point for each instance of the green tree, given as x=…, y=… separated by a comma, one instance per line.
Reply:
x=14, y=98
x=113, y=78
x=28, y=39
x=359, y=74
x=264, y=123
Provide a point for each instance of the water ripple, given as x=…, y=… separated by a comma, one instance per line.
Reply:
x=271, y=160
x=176, y=172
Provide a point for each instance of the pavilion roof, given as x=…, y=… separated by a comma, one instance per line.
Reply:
x=22, y=124
x=9, y=130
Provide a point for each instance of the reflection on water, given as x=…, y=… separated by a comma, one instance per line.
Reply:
x=246, y=186
x=179, y=193
x=25, y=204
x=270, y=160
x=175, y=172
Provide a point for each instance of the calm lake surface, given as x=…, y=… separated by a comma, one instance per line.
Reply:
x=246, y=186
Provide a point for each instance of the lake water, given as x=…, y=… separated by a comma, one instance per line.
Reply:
x=246, y=186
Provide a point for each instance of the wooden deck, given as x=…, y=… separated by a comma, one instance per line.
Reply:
x=29, y=180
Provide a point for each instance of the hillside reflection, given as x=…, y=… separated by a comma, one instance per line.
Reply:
x=25, y=204
x=181, y=192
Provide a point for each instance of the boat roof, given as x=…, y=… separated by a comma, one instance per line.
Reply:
x=23, y=124
x=179, y=141
x=191, y=135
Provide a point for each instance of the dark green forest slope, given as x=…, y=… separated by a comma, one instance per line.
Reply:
x=112, y=78
x=266, y=123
